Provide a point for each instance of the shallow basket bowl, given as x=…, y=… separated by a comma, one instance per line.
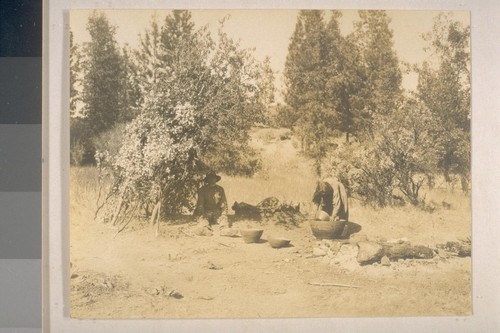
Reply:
x=327, y=229
x=278, y=242
x=251, y=235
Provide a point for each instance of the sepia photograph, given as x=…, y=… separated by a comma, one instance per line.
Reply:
x=269, y=163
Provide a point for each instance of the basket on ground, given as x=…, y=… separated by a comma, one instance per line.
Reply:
x=327, y=229
x=278, y=242
x=251, y=235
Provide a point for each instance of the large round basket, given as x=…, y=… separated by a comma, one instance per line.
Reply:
x=251, y=235
x=327, y=229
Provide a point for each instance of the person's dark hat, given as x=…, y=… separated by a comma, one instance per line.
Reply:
x=211, y=175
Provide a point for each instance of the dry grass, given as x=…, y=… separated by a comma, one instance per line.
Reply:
x=289, y=177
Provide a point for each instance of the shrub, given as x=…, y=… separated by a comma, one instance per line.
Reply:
x=402, y=156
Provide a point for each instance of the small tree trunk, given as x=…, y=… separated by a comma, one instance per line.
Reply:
x=156, y=208
x=158, y=219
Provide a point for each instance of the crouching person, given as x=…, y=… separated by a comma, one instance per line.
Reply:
x=330, y=198
x=211, y=207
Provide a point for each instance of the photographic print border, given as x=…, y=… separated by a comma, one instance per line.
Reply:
x=486, y=307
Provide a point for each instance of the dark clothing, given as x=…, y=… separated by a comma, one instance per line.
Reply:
x=331, y=195
x=211, y=203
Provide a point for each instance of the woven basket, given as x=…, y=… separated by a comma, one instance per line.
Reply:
x=251, y=235
x=327, y=229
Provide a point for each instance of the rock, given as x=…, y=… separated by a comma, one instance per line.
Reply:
x=369, y=252
x=403, y=240
x=385, y=261
x=175, y=294
x=465, y=250
x=442, y=254
x=318, y=252
x=230, y=232
x=356, y=238
x=74, y=276
x=329, y=243
x=203, y=231
x=211, y=265
x=154, y=291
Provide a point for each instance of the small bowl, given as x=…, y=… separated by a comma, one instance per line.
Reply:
x=327, y=229
x=277, y=243
x=251, y=235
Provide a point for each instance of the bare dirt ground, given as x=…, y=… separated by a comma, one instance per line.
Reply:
x=134, y=274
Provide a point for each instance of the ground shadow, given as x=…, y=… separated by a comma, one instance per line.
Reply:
x=350, y=229
x=260, y=241
x=246, y=218
x=180, y=219
x=284, y=246
x=185, y=219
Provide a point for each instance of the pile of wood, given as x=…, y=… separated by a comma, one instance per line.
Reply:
x=371, y=252
x=461, y=248
x=270, y=209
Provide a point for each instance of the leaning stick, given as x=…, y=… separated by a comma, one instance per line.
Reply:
x=329, y=284
x=127, y=223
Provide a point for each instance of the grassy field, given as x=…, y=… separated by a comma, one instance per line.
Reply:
x=289, y=177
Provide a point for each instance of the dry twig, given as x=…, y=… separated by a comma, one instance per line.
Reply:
x=329, y=284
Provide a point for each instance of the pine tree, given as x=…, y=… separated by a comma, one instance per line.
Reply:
x=383, y=76
x=346, y=80
x=267, y=89
x=133, y=94
x=104, y=76
x=305, y=80
x=147, y=59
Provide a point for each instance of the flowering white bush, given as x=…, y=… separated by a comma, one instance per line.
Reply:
x=157, y=161
x=196, y=113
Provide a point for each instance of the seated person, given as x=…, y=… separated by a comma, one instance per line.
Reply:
x=211, y=206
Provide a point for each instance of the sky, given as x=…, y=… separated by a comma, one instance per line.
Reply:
x=269, y=31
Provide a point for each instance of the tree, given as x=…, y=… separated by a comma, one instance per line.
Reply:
x=195, y=118
x=305, y=80
x=133, y=95
x=346, y=80
x=104, y=78
x=444, y=87
x=75, y=59
x=267, y=88
x=402, y=156
x=232, y=106
x=408, y=140
x=374, y=38
x=148, y=57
